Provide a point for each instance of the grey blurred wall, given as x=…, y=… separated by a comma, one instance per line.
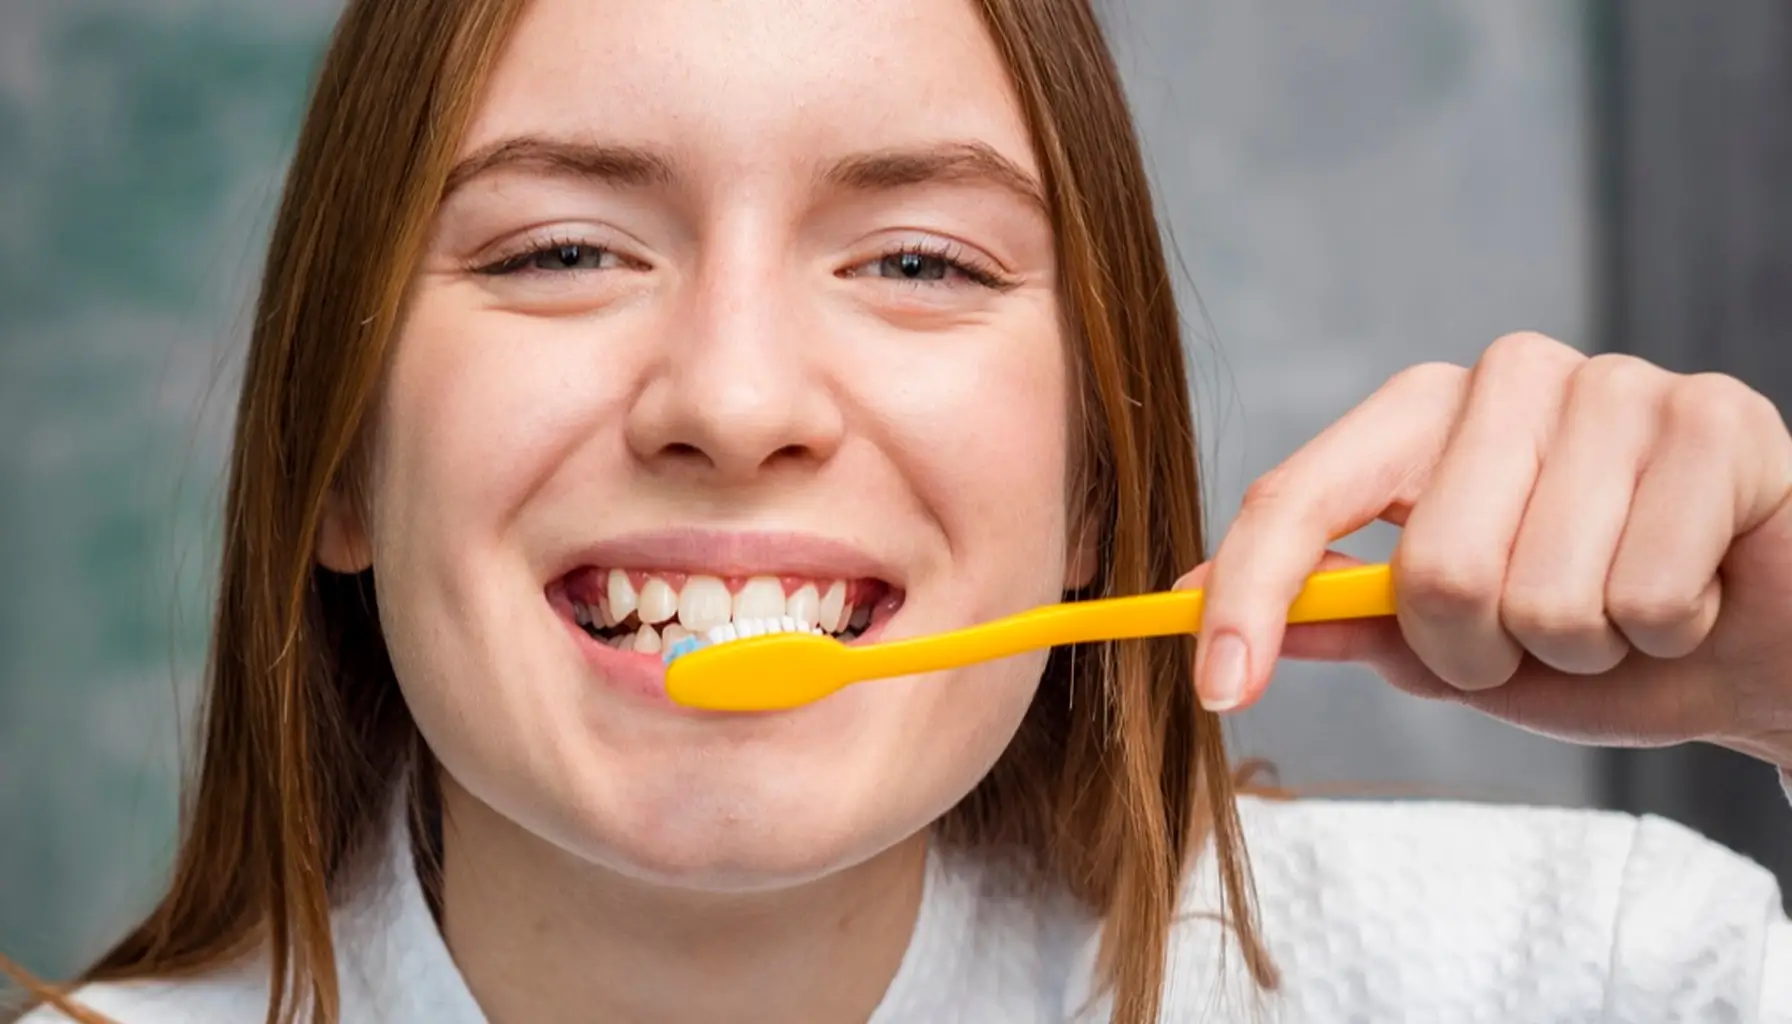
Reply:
x=1353, y=187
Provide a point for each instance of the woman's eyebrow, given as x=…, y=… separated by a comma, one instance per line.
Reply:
x=637, y=167
x=630, y=166
x=947, y=162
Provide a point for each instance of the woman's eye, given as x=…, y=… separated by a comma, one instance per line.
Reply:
x=914, y=266
x=927, y=268
x=570, y=256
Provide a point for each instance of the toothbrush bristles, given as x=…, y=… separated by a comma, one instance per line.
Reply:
x=738, y=630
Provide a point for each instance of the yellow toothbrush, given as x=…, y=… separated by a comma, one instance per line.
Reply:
x=785, y=670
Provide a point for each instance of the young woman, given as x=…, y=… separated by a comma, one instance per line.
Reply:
x=588, y=322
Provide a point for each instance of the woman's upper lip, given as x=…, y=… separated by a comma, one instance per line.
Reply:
x=735, y=553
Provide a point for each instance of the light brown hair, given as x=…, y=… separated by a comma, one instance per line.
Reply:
x=1116, y=781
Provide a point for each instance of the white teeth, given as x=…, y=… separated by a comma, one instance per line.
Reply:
x=742, y=629
x=621, y=595
x=804, y=605
x=831, y=615
x=760, y=598
x=657, y=602
x=704, y=604
x=647, y=641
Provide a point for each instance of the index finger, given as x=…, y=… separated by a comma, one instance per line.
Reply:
x=1373, y=460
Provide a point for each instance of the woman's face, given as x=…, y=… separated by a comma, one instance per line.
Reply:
x=733, y=308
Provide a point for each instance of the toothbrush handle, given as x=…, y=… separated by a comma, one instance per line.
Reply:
x=1356, y=593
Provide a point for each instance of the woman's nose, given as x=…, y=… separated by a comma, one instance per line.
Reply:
x=741, y=387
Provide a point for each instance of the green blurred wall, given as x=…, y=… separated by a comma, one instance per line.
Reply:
x=141, y=147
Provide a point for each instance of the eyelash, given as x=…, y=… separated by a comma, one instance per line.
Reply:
x=518, y=262
x=973, y=270
x=954, y=257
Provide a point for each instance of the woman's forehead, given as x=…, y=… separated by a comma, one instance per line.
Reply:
x=728, y=85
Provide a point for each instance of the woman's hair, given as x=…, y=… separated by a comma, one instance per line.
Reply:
x=1116, y=780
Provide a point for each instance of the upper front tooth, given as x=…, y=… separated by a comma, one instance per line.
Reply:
x=621, y=595
x=805, y=605
x=761, y=598
x=833, y=608
x=704, y=604
x=657, y=602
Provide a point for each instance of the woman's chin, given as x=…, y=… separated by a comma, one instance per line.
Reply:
x=739, y=827
x=740, y=855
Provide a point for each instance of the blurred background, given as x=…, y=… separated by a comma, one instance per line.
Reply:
x=1351, y=188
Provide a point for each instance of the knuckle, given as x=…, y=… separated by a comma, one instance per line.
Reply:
x=1446, y=586
x=1541, y=613
x=1711, y=406
x=1268, y=492
x=1527, y=353
x=1616, y=378
x=1653, y=606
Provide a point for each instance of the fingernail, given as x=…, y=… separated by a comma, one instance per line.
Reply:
x=1228, y=666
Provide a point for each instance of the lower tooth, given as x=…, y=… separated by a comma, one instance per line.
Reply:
x=647, y=641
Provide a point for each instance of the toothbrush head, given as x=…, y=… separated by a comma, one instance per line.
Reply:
x=755, y=665
x=728, y=632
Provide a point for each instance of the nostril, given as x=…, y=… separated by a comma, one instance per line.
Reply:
x=682, y=453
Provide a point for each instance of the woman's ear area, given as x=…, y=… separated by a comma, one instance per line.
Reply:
x=341, y=537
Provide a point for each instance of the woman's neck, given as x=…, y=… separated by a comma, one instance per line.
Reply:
x=541, y=935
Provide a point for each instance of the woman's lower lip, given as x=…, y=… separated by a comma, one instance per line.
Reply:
x=643, y=676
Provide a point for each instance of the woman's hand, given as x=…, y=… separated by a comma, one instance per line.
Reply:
x=1593, y=548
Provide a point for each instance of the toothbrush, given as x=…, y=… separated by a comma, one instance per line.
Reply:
x=777, y=664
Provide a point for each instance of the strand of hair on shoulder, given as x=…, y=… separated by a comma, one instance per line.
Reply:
x=47, y=994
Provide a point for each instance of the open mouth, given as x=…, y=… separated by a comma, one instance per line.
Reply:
x=647, y=611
